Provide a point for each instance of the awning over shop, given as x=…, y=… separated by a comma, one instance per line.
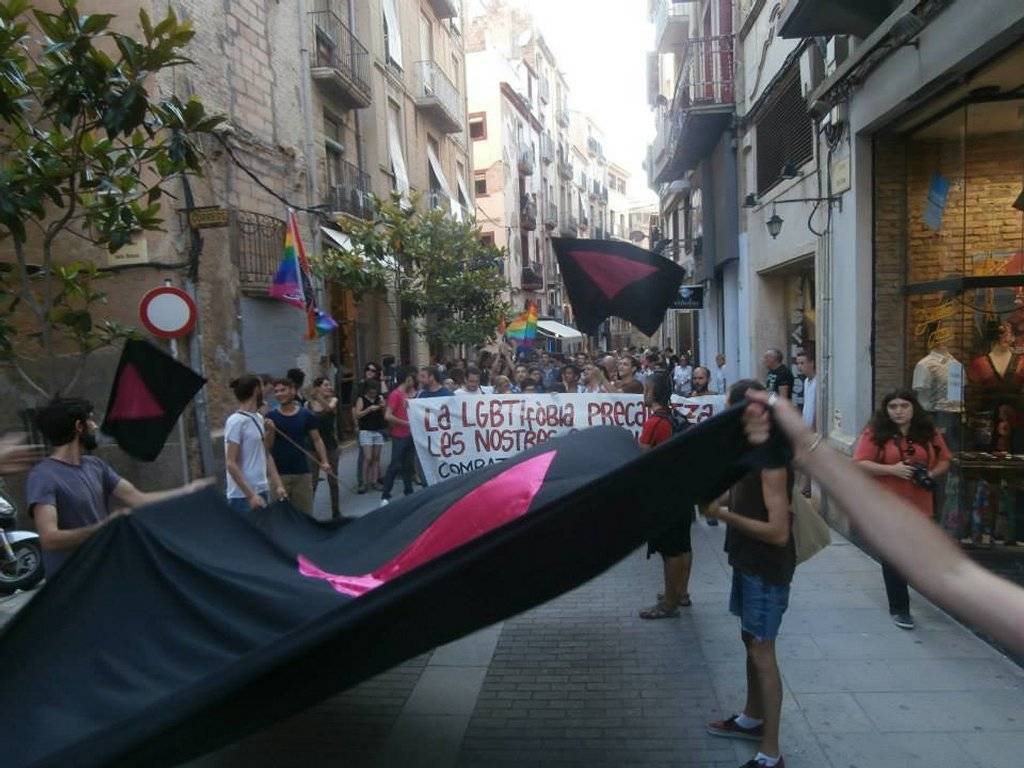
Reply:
x=556, y=330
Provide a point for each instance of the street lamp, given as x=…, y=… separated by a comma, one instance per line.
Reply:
x=774, y=224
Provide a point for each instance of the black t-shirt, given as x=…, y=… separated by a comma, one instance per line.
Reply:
x=371, y=422
x=772, y=563
x=779, y=377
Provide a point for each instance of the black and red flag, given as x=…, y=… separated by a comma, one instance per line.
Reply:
x=150, y=391
x=184, y=626
x=612, y=278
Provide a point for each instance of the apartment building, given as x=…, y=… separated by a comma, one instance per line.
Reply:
x=518, y=127
x=618, y=202
x=691, y=165
x=326, y=101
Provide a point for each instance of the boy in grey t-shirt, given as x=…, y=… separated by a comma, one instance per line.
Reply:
x=71, y=494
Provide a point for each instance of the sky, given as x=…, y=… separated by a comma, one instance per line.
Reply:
x=601, y=46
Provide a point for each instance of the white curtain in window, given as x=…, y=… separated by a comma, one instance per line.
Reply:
x=394, y=31
x=397, y=159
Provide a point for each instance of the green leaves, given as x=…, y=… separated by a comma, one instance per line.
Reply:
x=444, y=274
x=86, y=149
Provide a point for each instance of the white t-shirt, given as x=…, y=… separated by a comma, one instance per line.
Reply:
x=246, y=430
x=682, y=377
x=481, y=391
x=810, y=401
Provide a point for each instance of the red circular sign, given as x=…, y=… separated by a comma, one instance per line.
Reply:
x=167, y=312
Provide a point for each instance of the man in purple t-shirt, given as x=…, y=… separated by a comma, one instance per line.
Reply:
x=70, y=494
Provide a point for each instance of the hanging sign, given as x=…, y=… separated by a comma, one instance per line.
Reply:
x=168, y=313
x=689, y=297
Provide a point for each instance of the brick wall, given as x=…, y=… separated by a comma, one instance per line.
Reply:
x=890, y=222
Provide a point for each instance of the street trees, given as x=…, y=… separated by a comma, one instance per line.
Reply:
x=443, y=274
x=85, y=154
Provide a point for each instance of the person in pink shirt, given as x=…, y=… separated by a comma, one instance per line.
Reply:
x=403, y=452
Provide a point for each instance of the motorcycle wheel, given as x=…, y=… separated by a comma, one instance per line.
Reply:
x=26, y=571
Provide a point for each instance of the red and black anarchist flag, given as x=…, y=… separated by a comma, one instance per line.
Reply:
x=185, y=626
x=150, y=391
x=612, y=278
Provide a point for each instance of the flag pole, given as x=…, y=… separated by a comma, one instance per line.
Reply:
x=182, y=448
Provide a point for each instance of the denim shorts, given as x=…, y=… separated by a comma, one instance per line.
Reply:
x=759, y=605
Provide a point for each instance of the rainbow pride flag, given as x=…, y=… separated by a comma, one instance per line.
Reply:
x=293, y=282
x=524, y=328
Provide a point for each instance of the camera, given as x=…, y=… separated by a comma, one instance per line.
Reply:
x=922, y=478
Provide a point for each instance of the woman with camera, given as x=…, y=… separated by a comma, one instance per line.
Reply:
x=906, y=454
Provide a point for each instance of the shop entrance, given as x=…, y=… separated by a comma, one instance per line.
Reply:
x=949, y=220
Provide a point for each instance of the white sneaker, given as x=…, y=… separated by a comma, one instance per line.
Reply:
x=384, y=502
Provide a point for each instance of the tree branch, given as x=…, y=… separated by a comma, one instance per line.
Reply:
x=28, y=380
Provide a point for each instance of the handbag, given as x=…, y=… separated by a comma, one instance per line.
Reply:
x=811, y=533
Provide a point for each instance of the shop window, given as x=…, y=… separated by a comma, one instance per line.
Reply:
x=947, y=231
x=785, y=134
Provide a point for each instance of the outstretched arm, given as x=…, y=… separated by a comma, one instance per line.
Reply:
x=918, y=548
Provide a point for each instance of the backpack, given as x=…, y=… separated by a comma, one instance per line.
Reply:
x=677, y=420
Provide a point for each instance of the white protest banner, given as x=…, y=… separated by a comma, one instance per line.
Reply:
x=455, y=435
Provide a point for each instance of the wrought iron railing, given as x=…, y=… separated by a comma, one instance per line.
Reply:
x=532, y=276
x=335, y=47
x=706, y=76
x=257, y=241
x=432, y=82
x=551, y=216
x=527, y=213
x=547, y=148
x=350, y=190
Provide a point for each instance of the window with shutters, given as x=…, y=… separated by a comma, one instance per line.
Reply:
x=785, y=134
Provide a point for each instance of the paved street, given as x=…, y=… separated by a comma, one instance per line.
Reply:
x=581, y=681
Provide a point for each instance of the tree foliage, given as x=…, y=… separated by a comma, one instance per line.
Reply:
x=85, y=154
x=443, y=273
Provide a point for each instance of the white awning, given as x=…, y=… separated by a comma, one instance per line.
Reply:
x=463, y=192
x=339, y=239
x=397, y=158
x=394, y=35
x=435, y=166
x=555, y=330
x=344, y=242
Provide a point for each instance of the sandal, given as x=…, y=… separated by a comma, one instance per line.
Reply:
x=659, y=611
x=684, y=601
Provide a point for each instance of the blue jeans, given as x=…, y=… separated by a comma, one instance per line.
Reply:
x=759, y=605
x=242, y=505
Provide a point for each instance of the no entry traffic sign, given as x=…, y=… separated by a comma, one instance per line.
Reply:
x=167, y=312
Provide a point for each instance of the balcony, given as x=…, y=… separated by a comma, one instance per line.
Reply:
x=562, y=116
x=350, y=192
x=551, y=217
x=702, y=107
x=544, y=90
x=526, y=159
x=565, y=169
x=437, y=97
x=444, y=9
x=825, y=18
x=595, y=190
x=255, y=244
x=570, y=226
x=338, y=62
x=671, y=24
x=547, y=148
x=527, y=213
x=532, y=277
x=594, y=148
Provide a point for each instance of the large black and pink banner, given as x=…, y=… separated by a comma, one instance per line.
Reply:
x=185, y=625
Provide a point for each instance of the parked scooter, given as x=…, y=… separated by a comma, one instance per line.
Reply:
x=21, y=556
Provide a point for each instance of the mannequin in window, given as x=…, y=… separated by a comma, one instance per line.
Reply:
x=998, y=378
x=938, y=382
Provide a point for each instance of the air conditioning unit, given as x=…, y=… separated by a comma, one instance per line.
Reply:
x=812, y=70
